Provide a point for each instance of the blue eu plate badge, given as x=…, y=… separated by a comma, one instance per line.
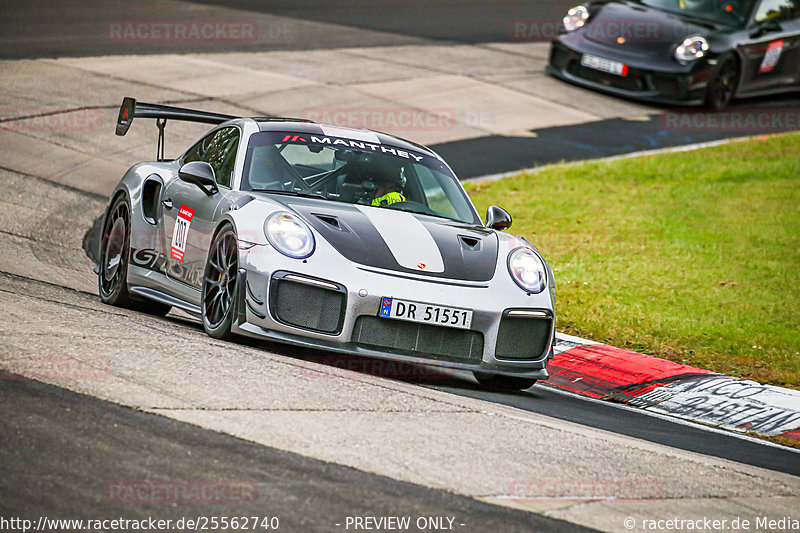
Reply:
x=386, y=307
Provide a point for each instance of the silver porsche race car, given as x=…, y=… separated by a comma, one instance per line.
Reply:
x=334, y=238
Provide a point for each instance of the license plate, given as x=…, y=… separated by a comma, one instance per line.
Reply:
x=440, y=315
x=606, y=65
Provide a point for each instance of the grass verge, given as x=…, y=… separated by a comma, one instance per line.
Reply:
x=690, y=256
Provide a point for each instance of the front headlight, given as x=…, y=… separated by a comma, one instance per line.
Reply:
x=576, y=18
x=691, y=48
x=527, y=269
x=289, y=234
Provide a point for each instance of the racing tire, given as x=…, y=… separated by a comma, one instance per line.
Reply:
x=722, y=87
x=497, y=383
x=115, y=253
x=218, y=297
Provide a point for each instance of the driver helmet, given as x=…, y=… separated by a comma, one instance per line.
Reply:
x=389, y=172
x=692, y=4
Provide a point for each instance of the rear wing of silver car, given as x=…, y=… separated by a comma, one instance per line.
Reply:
x=131, y=109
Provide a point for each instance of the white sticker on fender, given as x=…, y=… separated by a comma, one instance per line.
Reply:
x=410, y=243
x=181, y=233
x=772, y=56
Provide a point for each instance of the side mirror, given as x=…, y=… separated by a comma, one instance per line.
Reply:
x=201, y=174
x=768, y=26
x=497, y=218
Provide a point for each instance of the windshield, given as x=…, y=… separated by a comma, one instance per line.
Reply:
x=733, y=13
x=356, y=172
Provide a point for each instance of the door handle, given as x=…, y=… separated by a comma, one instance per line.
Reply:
x=167, y=202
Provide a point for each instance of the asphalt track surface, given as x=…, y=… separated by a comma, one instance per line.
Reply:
x=63, y=453
x=79, y=28
x=624, y=420
x=627, y=421
x=472, y=21
x=56, y=445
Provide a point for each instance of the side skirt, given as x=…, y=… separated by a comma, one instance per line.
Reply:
x=164, y=298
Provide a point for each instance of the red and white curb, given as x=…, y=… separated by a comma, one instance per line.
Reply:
x=608, y=373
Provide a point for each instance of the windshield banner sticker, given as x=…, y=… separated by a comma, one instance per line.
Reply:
x=350, y=143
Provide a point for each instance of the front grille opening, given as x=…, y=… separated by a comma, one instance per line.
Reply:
x=666, y=85
x=420, y=340
x=307, y=306
x=523, y=338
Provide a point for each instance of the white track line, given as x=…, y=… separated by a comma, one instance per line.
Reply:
x=675, y=419
x=682, y=148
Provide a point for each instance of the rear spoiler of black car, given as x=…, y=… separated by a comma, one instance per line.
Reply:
x=131, y=109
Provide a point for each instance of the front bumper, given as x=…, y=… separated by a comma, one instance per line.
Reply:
x=647, y=84
x=314, y=319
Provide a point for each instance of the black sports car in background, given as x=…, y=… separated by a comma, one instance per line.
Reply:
x=686, y=52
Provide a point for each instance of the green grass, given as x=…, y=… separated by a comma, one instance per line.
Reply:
x=693, y=256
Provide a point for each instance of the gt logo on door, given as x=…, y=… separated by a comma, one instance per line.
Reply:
x=181, y=233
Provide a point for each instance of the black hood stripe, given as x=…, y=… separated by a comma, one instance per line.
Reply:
x=352, y=234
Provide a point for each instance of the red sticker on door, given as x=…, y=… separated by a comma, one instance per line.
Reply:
x=181, y=232
x=772, y=56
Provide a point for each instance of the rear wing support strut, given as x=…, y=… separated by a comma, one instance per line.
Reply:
x=161, y=123
x=131, y=108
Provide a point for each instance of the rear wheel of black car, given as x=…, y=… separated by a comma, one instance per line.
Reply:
x=503, y=383
x=115, y=253
x=219, y=285
x=722, y=87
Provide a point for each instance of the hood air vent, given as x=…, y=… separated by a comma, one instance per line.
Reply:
x=470, y=243
x=331, y=221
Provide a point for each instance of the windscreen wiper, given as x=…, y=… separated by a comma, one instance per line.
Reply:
x=419, y=212
x=303, y=194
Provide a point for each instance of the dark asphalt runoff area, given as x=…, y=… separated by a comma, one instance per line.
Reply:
x=482, y=156
x=64, y=455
